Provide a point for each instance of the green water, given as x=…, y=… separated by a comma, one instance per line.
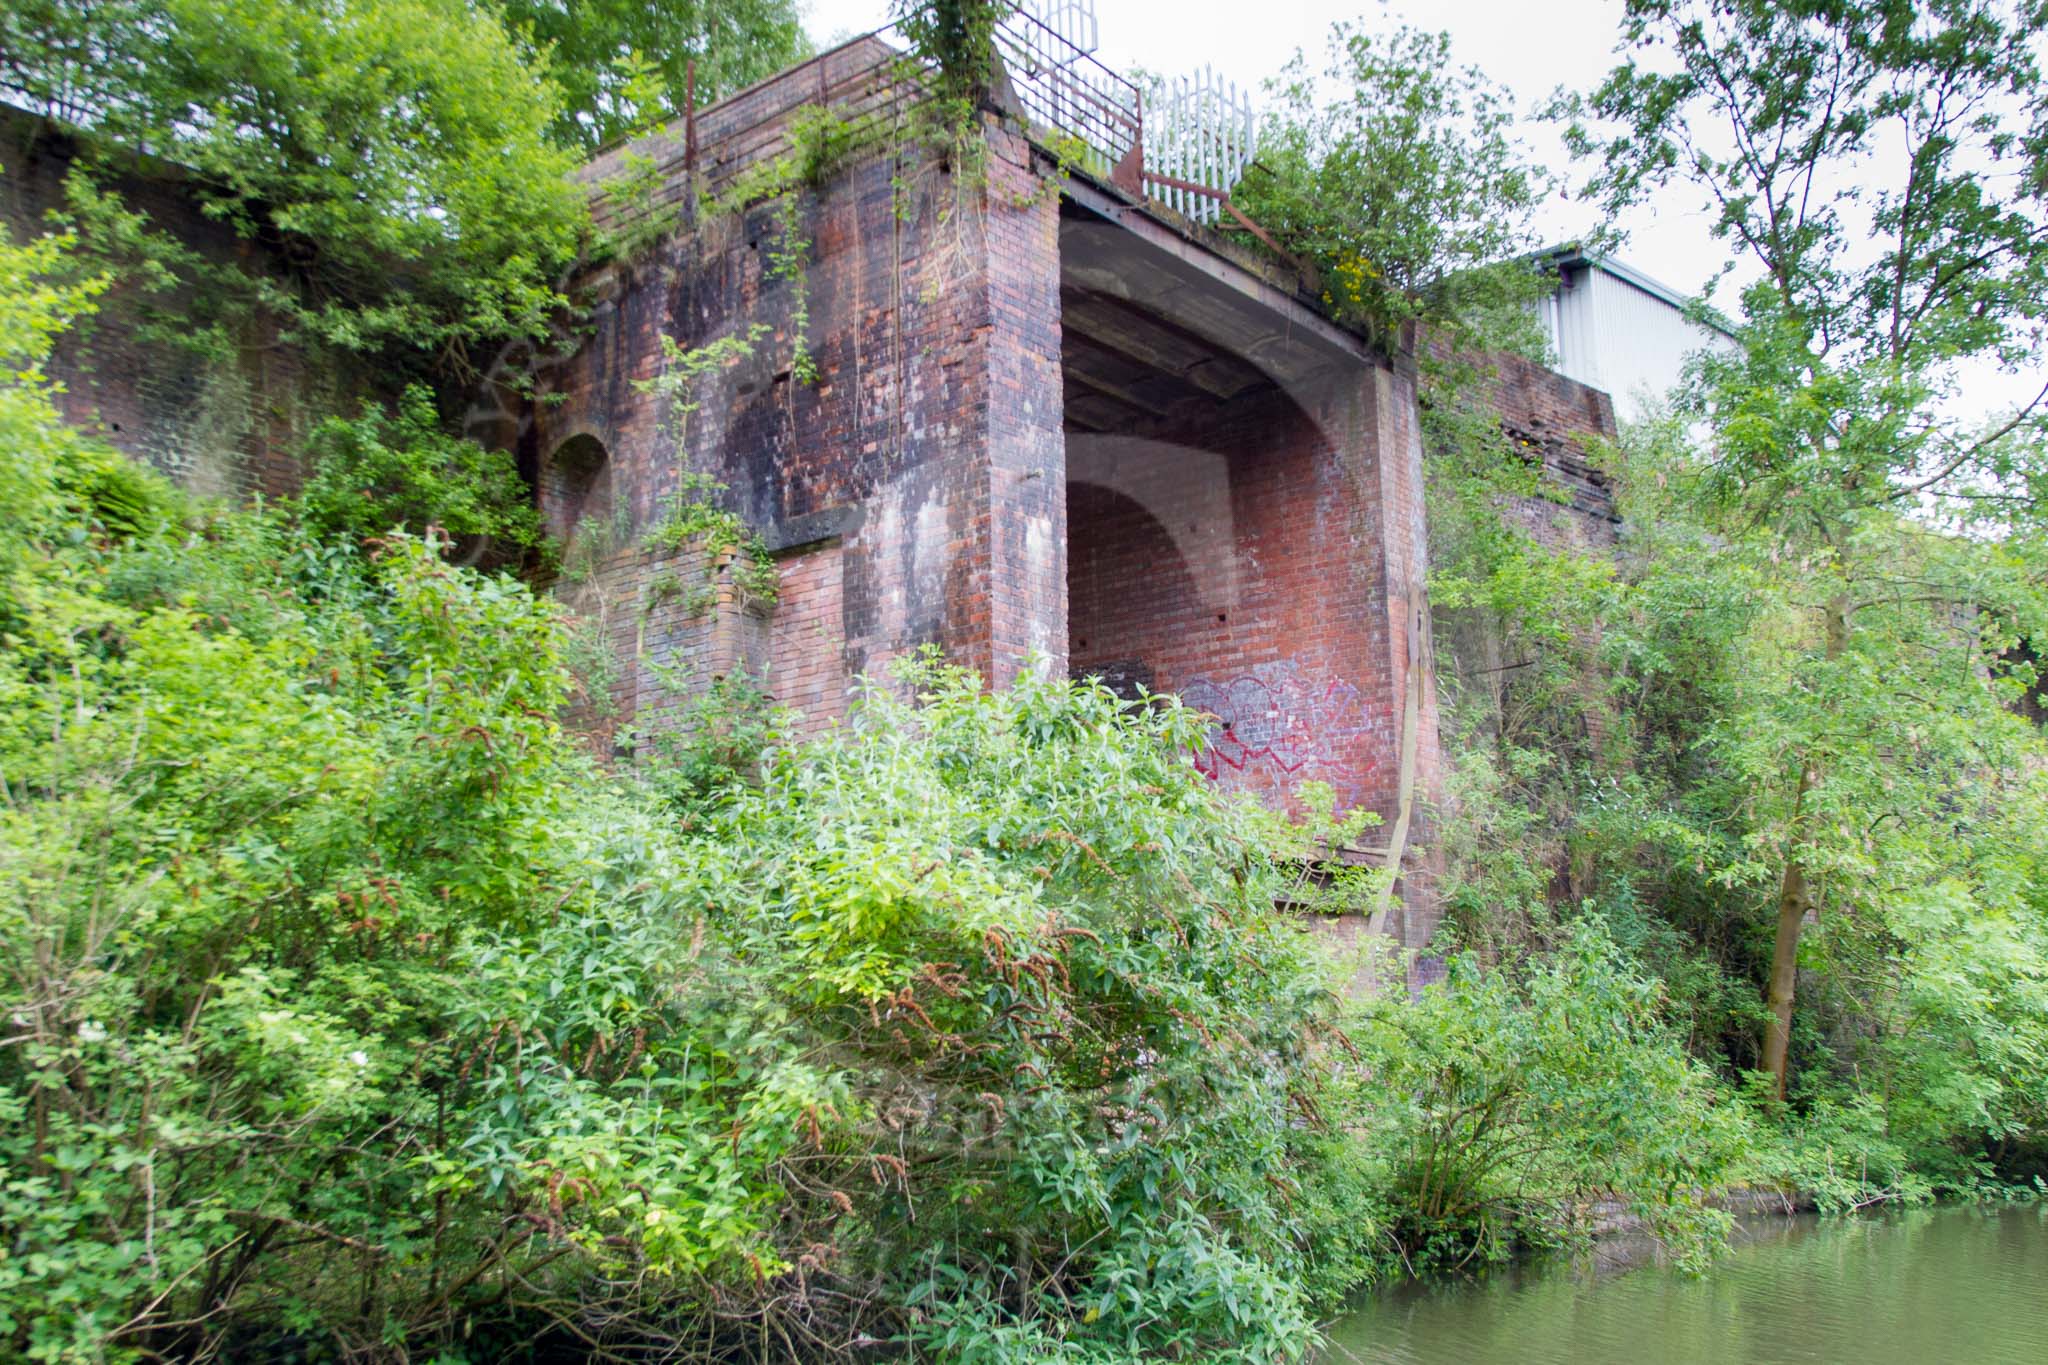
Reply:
x=1934, y=1285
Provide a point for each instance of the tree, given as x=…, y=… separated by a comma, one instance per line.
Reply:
x=1395, y=173
x=623, y=65
x=395, y=152
x=1881, y=169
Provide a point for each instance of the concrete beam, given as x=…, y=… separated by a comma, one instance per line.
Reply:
x=1201, y=290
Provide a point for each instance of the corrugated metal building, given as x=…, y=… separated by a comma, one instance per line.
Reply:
x=1615, y=328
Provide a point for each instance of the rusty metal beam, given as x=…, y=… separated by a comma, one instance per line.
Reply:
x=1211, y=192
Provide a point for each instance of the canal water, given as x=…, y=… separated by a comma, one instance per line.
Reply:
x=1920, y=1287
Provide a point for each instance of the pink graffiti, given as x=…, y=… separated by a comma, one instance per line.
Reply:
x=1275, y=728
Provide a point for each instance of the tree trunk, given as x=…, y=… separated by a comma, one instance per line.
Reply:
x=1794, y=900
x=1795, y=893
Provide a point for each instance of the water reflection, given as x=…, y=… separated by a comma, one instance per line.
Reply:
x=1910, y=1288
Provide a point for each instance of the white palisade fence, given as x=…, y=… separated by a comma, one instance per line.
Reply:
x=1196, y=130
x=1199, y=129
x=1070, y=21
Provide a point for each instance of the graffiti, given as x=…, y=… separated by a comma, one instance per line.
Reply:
x=1276, y=727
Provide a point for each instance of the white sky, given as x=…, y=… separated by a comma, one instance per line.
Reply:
x=1531, y=49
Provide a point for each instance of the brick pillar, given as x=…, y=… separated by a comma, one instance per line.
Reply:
x=1410, y=648
x=964, y=544
x=1026, y=446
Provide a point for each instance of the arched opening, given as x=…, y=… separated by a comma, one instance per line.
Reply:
x=1128, y=588
x=576, y=488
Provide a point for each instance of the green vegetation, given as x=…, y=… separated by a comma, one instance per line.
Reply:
x=395, y=152
x=1774, y=743
x=689, y=517
x=1396, y=176
x=385, y=470
x=1839, y=446
x=349, y=1008
x=956, y=39
x=1509, y=1100
x=1807, y=796
x=624, y=65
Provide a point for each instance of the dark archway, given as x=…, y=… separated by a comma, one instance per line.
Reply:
x=576, y=487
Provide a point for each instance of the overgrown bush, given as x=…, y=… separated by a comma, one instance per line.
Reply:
x=1508, y=1107
x=351, y=1009
x=1079, y=1042
x=388, y=470
x=1395, y=173
x=392, y=153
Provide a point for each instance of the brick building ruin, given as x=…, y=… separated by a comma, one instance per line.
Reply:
x=1054, y=423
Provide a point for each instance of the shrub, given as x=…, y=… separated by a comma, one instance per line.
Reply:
x=396, y=150
x=383, y=470
x=1081, y=1045
x=1507, y=1109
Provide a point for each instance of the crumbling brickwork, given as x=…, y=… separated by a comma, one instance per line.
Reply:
x=1559, y=422
x=667, y=623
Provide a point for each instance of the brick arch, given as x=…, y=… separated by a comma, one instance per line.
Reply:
x=575, y=485
x=1183, y=489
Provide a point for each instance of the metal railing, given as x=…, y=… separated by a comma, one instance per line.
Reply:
x=1199, y=136
x=1059, y=84
x=1182, y=142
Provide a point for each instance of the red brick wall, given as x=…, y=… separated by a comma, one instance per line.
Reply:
x=672, y=622
x=807, y=669
x=929, y=445
x=1271, y=568
x=1239, y=565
